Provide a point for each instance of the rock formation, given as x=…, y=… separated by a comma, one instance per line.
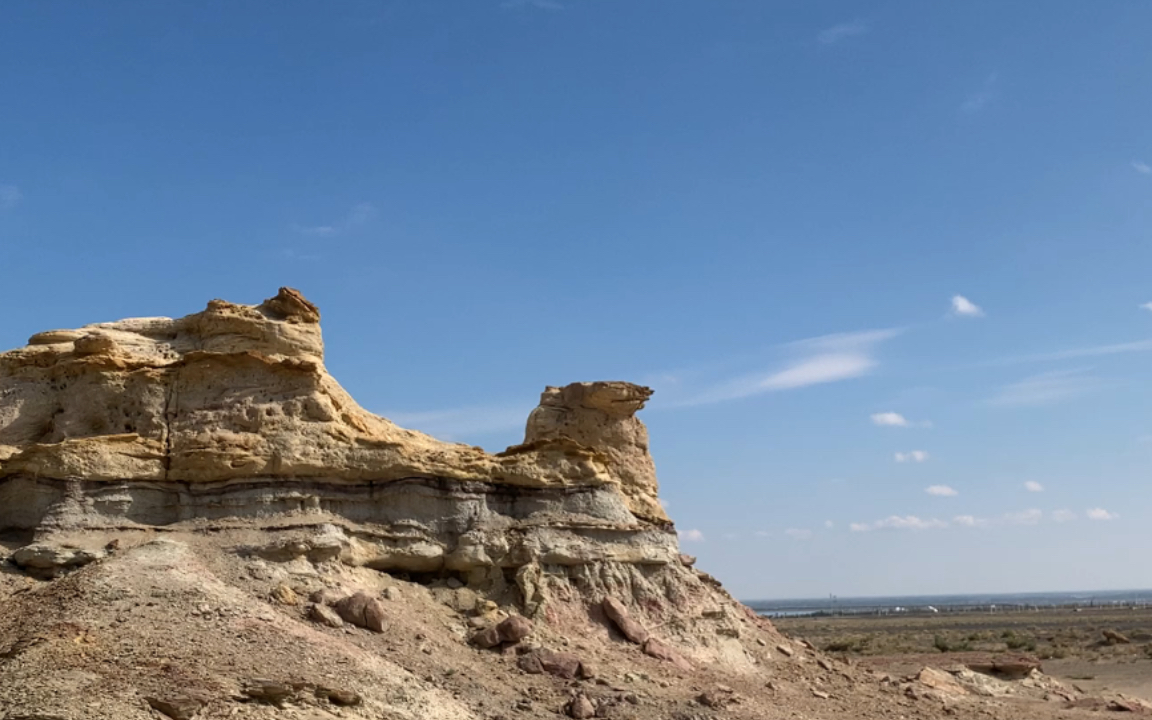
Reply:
x=230, y=413
x=171, y=490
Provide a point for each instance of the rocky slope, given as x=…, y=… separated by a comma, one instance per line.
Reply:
x=200, y=522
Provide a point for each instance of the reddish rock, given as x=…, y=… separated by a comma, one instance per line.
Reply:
x=514, y=629
x=560, y=664
x=628, y=627
x=663, y=651
x=509, y=631
x=362, y=609
x=487, y=638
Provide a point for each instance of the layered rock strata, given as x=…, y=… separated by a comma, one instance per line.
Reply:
x=229, y=415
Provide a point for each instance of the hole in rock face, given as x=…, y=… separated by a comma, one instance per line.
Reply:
x=426, y=578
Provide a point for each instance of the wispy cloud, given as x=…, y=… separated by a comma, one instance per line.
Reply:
x=1101, y=514
x=455, y=423
x=899, y=522
x=1033, y=486
x=1045, y=388
x=963, y=307
x=1072, y=353
x=359, y=215
x=10, y=197
x=538, y=4
x=1146, y=306
x=798, y=534
x=941, y=491
x=978, y=100
x=1028, y=517
x=692, y=535
x=1142, y=167
x=1031, y=516
x=912, y=456
x=825, y=359
x=968, y=521
x=836, y=33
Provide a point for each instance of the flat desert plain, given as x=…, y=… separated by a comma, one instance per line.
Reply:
x=1071, y=644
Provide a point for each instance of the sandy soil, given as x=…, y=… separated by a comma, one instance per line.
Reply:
x=1070, y=644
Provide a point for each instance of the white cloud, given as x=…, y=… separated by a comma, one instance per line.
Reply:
x=1146, y=306
x=898, y=522
x=1141, y=167
x=964, y=307
x=976, y=102
x=761, y=533
x=1045, y=388
x=968, y=521
x=941, y=491
x=691, y=535
x=730, y=536
x=1024, y=517
x=10, y=197
x=798, y=534
x=829, y=524
x=455, y=423
x=836, y=33
x=357, y=216
x=915, y=456
x=826, y=359
x=1033, y=486
x=1061, y=516
x=1101, y=514
x=890, y=419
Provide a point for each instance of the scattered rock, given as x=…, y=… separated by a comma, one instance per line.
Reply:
x=1115, y=638
x=718, y=697
x=628, y=627
x=176, y=707
x=580, y=707
x=327, y=596
x=561, y=664
x=820, y=694
x=785, y=650
x=325, y=616
x=940, y=681
x=509, y=631
x=271, y=692
x=687, y=560
x=662, y=651
x=45, y=559
x=514, y=629
x=339, y=697
x=454, y=583
x=391, y=593
x=362, y=609
x=285, y=595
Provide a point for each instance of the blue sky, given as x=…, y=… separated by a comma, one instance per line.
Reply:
x=883, y=262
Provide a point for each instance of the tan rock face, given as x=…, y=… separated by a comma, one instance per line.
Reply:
x=229, y=414
x=240, y=392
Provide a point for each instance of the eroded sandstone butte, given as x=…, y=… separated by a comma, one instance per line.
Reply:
x=229, y=413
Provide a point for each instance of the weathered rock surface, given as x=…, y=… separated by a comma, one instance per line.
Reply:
x=627, y=626
x=230, y=414
x=362, y=609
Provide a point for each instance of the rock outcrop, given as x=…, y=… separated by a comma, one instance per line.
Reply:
x=229, y=414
